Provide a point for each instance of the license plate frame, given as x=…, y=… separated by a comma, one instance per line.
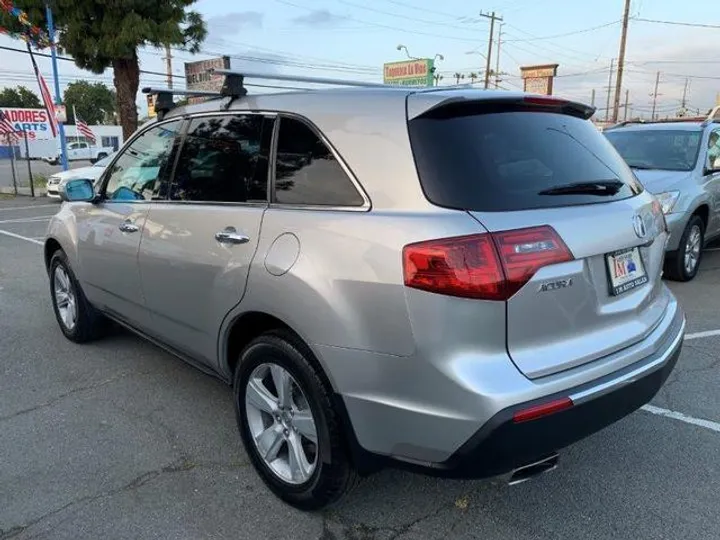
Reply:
x=625, y=260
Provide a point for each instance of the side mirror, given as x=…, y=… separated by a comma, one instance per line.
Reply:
x=77, y=190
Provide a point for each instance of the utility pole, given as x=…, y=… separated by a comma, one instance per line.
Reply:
x=56, y=80
x=627, y=104
x=683, y=106
x=492, y=18
x=655, y=96
x=592, y=98
x=168, y=66
x=497, y=65
x=609, y=90
x=621, y=61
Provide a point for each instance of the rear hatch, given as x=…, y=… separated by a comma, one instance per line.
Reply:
x=579, y=245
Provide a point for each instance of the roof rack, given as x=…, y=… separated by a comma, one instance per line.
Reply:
x=295, y=78
x=164, y=102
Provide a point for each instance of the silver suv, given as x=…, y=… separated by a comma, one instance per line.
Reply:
x=678, y=162
x=455, y=281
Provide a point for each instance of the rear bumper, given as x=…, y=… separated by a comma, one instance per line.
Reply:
x=502, y=445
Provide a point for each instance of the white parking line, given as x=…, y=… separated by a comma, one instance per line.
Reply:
x=27, y=220
x=19, y=237
x=8, y=208
x=707, y=424
x=706, y=333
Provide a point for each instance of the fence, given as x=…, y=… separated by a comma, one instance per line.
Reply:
x=12, y=168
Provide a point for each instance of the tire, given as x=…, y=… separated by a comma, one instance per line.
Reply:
x=333, y=474
x=88, y=324
x=690, y=251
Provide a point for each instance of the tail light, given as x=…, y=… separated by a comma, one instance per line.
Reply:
x=490, y=266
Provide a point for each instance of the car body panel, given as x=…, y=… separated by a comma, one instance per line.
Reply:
x=190, y=280
x=556, y=329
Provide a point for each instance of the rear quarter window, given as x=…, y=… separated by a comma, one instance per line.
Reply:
x=504, y=160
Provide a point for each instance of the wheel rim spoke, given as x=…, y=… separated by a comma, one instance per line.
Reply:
x=260, y=397
x=300, y=467
x=65, y=298
x=305, y=425
x=282, y=427
x=269, y=442
x=282, y=381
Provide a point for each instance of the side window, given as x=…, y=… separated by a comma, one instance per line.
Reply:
x=307, y=173
x=72, y=146
x=82, y=145
x=142, y=170
x=224, y=159
x=713, y=151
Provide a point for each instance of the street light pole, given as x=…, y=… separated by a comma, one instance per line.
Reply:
x=56, y=80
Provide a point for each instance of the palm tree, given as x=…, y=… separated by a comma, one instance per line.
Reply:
x=473, y=77
x=458, y=76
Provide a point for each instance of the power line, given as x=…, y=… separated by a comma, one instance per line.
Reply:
x=573, y=33
x=678, y=23
x=386, y=26
x=397, y=15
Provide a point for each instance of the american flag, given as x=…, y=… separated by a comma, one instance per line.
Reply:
x=6, y=127
x=46, y=97
x=83, y=128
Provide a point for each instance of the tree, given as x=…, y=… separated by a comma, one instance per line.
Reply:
x=99, y=35
x=19, y=97
x=94, y=103
x=473, y=77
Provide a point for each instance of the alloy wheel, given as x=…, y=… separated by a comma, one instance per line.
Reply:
x=281, y=423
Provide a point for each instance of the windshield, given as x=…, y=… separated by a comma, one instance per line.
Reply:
x=506, y=160
x=670, y=150
x=104, y=162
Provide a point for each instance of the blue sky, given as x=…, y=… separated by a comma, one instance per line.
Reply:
x=353, y=38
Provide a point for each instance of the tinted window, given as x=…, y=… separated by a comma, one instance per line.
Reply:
x=671, y=150
x=307, y=173
x=514, y=160
x=713, y=150
x=224, y=159
x=143, y=168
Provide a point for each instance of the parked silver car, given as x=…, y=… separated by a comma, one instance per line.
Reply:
x=677, y=162
x=456, y=281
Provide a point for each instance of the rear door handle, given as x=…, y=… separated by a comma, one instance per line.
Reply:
x=128, y=226
x=229, y=235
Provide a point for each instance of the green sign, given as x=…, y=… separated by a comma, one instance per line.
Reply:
x=417, y=72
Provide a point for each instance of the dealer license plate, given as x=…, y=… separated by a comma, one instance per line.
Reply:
x=626, y=270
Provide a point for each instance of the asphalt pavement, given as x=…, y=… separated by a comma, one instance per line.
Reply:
x=117, y=439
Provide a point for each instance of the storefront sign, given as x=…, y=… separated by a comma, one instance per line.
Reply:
x=34, y=122
x=409, y=72
x=539, y=79
x=199, y=76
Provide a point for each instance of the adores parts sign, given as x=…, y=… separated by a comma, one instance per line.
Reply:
x=409, y=72
x=34, y=122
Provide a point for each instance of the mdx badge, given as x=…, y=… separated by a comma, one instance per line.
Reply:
x=639, y=226
x=555, y=285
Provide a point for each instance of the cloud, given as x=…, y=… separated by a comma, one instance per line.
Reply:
x=318, y=17
x=227, y=25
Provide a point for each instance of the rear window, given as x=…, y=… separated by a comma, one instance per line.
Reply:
x=515, y=160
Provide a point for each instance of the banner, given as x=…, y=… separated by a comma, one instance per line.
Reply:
x=34, y=122
x=31, y=33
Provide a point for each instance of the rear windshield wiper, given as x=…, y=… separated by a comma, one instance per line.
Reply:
x=601, y=187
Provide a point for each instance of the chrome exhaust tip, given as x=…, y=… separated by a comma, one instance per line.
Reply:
x=527, y=472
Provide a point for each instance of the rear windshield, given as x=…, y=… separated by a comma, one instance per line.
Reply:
x=515, y=160
x=670, y=150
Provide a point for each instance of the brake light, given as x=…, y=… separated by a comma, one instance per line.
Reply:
x=545, y=409
x=544, y=101
x=489, y=266
x=524, y=251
